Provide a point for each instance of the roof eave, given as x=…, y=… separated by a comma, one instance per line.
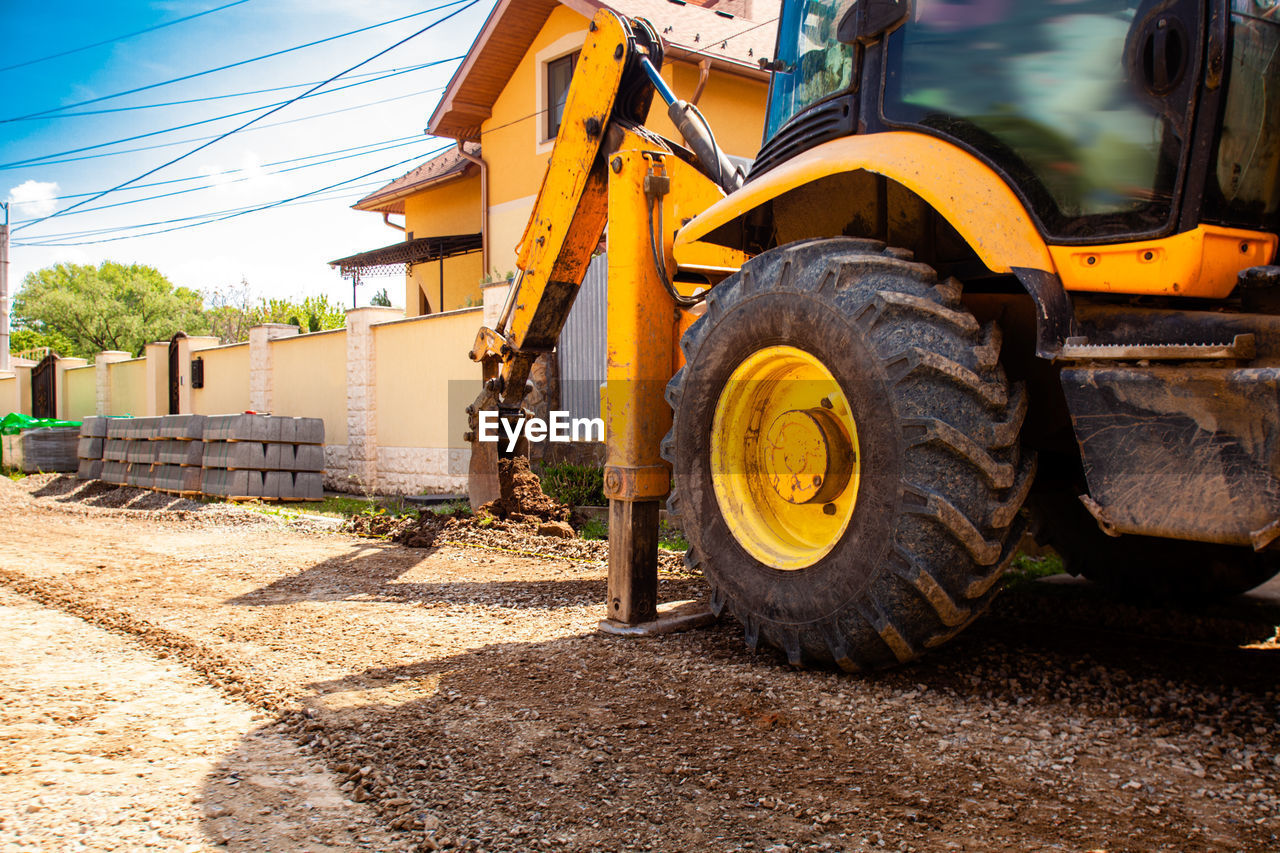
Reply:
x=393, y=202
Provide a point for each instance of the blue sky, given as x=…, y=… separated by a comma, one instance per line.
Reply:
x=281, y=252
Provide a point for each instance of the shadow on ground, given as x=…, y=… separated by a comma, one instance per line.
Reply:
x=1061, y=721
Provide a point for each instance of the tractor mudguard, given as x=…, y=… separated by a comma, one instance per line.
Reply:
x=1178, y=451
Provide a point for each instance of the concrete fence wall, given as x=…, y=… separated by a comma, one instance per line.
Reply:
x=9, y=401
x=309, y=379
x=391, y=391
x=78, y=390
x=423, y=380
x=128, y=388
x=226, y=380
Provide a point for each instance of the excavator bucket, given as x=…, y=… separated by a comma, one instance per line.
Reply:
x=483, y=484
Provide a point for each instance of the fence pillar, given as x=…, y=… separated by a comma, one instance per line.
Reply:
x=362, y=395
x=157, y=355
x=260, y=380
x=63, y=404
x=494, y=296
x=102, y=364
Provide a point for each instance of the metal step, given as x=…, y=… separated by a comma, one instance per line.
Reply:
x=1079, y=349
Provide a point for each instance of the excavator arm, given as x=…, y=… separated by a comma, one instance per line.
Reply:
x=607, y=169
x=608, y=100
x=567, y=223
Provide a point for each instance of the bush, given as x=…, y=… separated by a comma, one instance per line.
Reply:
x=594, y=528
x=575, y=485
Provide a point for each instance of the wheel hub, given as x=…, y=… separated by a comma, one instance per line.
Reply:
x=807, y=457
x=784, y=457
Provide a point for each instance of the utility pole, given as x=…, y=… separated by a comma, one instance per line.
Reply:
x=4, y=290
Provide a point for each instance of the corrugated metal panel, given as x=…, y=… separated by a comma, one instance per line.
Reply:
x=583, y=344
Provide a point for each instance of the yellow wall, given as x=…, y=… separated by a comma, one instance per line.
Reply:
x=80, y=390
x=416, y=362
x=462, y=274
x=450, y=208
x=9, y=395
x=510, y=136
x=226, y=381
x=23, y=373
x=447, y=209
x=128, y=387
x=309, y=380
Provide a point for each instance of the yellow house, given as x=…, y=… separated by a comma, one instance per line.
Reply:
x=465, y=210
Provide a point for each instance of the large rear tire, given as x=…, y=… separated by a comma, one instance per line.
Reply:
x=845, y=453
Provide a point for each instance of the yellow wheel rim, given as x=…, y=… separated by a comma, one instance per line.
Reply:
x=785, y=462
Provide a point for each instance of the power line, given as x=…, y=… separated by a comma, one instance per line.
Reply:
x=300, y=157
x=235, y=64
x=150, y=172
x=33, y=161
x=416, y=139
x=390, y=72
x=234, y=212
x=203, y=138
x=94, y=232
x=208, y=215
x=120, y=38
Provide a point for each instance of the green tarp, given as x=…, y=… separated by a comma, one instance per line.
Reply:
x=15, y=422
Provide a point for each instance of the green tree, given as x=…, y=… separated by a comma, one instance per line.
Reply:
x=109, y=307
x=232, y=311
x=381, y=299
x=21, y=340
x=312, y=314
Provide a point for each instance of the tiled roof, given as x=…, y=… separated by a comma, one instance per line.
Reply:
x=711, y=31
x=443, y=167
x=732, y=34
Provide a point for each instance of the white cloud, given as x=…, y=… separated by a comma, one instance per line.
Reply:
x=33, y=199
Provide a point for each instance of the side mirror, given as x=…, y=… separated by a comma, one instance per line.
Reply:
x=868, y=20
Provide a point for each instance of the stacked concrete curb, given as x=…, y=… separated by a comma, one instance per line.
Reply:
x=237, y=457
x=179, y=454
x=265, y=458
x=93, y=440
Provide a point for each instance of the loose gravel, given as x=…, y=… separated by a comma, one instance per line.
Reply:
x=463, y=694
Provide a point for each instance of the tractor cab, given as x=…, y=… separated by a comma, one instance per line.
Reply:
x=1111, y=119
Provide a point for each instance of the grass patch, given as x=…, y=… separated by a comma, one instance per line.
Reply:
x=455, y=509
x=575, y=485
x=671, y=538
x=335, y=506
x=14, y=474
x=1026, y=568
x=594, y=528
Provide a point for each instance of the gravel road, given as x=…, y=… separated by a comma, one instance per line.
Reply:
x=459, y=698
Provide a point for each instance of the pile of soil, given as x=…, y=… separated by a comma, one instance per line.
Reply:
x=523, y=498
x=424, y=531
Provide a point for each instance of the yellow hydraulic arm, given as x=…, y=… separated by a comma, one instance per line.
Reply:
x=605, y=169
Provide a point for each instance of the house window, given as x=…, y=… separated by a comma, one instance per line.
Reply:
x=559, y=73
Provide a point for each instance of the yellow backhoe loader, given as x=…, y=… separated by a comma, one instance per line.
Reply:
x=995, y=260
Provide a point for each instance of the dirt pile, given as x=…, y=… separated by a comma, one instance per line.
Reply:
x=424, y=531
x=523, y=498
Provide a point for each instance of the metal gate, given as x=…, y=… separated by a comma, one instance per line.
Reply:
x=583, y=350
x=175, y=374
x=44, y=390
